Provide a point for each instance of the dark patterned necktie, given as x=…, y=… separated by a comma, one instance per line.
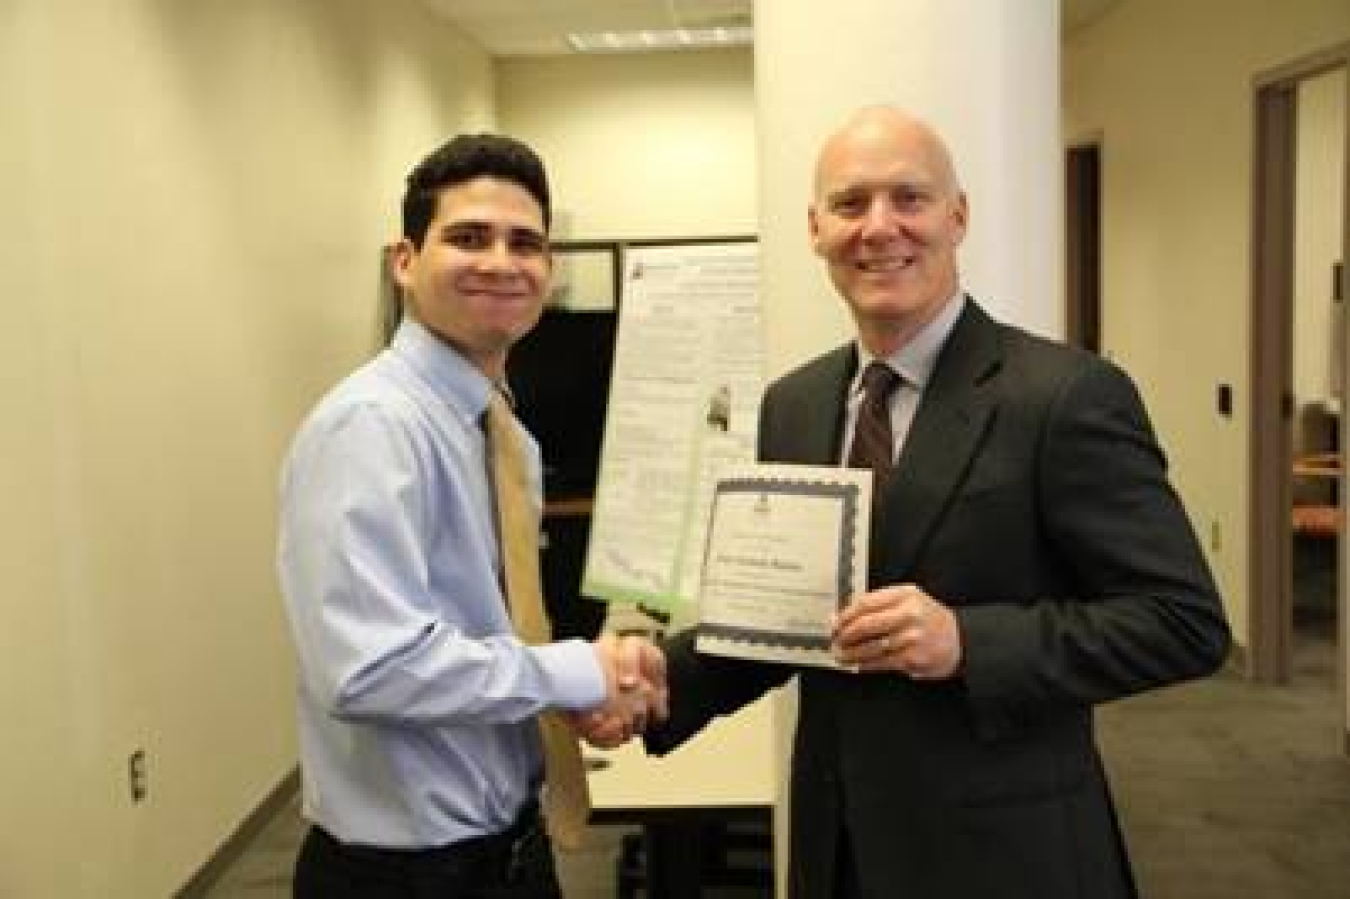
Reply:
x=873, y=447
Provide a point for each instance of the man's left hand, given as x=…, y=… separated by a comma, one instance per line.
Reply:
x=899, y=628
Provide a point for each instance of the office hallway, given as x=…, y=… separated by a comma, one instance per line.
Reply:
x=1226, y=790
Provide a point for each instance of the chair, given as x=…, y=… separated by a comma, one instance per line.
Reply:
x=1313, y=515
x=1317, y=520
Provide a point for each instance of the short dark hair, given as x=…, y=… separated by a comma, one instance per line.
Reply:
x=462, y=159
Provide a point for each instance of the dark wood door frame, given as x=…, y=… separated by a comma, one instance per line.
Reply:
x=1269, y=603
x=1082, y=244
x=1269, y=600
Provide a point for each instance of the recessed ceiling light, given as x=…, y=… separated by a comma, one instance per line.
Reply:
x=660, y=39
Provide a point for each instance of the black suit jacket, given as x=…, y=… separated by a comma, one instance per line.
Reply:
x=1031, y=496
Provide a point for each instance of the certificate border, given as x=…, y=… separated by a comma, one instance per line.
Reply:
x=849, y=493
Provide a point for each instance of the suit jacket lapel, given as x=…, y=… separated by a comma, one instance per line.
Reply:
x=814, y=430
x=953, y=416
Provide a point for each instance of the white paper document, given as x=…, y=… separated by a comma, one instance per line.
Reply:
x=786, y=548
x=688, y=374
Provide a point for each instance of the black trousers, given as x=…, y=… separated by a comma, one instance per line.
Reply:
x=517, y=864
x=845, y=868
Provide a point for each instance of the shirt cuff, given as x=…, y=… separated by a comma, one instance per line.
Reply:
x=573, y=675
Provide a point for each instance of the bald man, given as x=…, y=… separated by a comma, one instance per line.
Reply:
x=1029, y=560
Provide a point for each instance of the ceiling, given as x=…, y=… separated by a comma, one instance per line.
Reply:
x=540, y=27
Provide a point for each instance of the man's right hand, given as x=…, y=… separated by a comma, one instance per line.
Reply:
x=635, y=679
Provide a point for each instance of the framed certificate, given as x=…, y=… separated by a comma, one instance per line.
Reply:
x=786, y=548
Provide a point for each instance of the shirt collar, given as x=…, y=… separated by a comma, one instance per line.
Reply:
x=915, y=360
x=454, y=379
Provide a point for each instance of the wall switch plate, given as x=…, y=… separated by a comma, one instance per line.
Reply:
x=1224, y=399
x=136, y=775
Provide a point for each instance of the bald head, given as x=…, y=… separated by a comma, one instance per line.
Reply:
x=885, y=129
x=887, y=215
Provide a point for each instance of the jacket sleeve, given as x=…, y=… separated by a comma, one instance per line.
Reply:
x=1144, y=610
x=703, y=687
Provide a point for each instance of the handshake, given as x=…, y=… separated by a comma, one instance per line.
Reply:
x=635, y=691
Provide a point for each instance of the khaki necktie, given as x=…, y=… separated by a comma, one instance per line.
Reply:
x=567, y=801
x=873, y=447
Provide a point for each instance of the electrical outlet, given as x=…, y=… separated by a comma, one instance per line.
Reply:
x=1215, y=536
x=137, y=781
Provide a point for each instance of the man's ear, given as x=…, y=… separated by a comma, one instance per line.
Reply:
x=399, y=258
x=813, y=227
x=961, y=214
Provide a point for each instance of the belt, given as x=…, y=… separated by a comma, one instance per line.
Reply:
x=493, y=858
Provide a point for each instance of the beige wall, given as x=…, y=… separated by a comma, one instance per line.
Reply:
x=640, y=145
x=36, y=685
x=195, y=194
x=1169, y=87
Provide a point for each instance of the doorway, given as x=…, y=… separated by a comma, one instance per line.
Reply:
x=1297, y=575
x=1082, y=245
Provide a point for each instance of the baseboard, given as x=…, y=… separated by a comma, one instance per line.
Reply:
x=235, y=844
x=1237, y=658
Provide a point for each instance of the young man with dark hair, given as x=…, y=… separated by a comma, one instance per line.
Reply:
x=418, y=703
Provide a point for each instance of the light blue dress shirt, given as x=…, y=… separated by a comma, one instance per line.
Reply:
x=416, y=700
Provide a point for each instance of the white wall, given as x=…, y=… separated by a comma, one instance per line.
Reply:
x=1319, y=204
x=996, y=105
x=195, y=194
x=640, y=145
x=1168, y=86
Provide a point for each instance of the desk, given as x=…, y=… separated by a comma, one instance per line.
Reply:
x=726, y=773
x=1318, y=465
x=573, y=507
